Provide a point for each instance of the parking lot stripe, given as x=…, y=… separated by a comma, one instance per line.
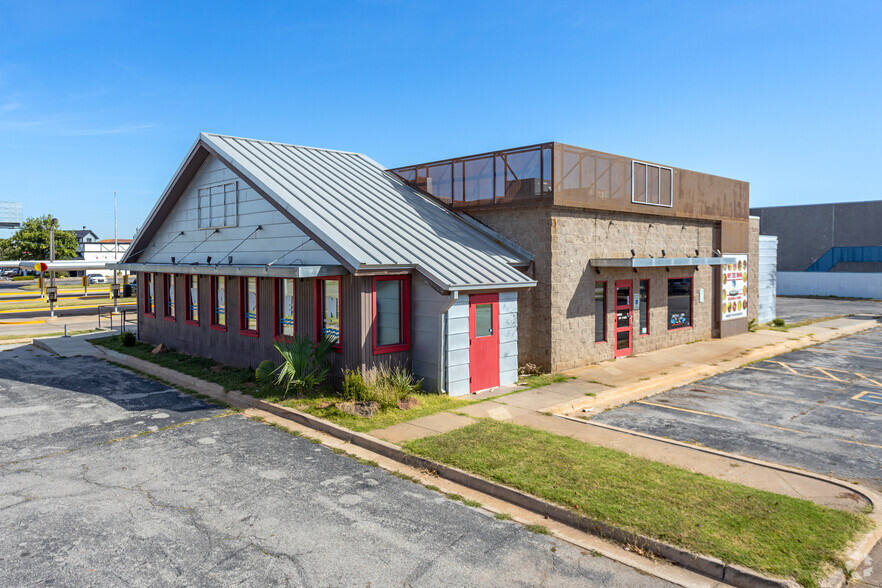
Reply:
x=784, y=398
x=868, y=396
x=785, y=366
x=710, y=414
x=719, y=416
x=823, y=371
x=850, y=353
x=827, y=379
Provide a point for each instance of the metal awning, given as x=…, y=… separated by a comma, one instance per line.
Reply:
x=636, y=262
x=268, y=271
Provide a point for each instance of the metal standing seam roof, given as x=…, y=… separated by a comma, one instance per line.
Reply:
x=370, y=217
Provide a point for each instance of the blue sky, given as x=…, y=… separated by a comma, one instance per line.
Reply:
x=104, y=96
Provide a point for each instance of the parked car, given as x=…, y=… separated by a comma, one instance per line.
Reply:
x=97, y=278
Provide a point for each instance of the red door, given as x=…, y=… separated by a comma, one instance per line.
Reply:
x=483, y=341
x=623, y=318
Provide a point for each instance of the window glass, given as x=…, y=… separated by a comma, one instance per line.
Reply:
x=148, y=305
x=169, y=295
x=193, y=298
x=250, y=304
x=599, y=312
x=679, y=303
x=219, y=301
x=483, y=320
x=330, y=313
x=644, y=307
x=286, y=307
x=389, y=296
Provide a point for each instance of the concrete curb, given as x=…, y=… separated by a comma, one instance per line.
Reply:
x=706, y=565
x=640, y=390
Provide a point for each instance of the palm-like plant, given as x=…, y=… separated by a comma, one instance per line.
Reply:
x=304, y=364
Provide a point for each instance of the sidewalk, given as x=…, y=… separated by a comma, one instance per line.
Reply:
x=612, y=383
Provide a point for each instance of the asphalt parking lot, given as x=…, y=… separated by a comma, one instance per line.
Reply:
x=793, y=309
x=107, y=478
x=818, y=408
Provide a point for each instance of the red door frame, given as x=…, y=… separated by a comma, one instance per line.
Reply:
x=629, y=284
x=483, y=351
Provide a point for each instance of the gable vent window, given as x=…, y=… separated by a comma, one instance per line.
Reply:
x=218, y=206
x=652, y=184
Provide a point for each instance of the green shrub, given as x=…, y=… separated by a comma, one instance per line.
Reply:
x=354, y=387
x=304, y=364
x=383, y=384
x=23, y=278
x=127, y=339
x=778, y=322
x=264, y=372
x=751, y=325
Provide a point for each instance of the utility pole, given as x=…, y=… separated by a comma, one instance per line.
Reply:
x=115, y=289
x=52, y=272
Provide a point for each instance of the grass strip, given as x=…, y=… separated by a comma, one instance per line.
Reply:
x=540, y=380
x=39, y=303
x=768, y=532
x=44, y=335
x=320, y=404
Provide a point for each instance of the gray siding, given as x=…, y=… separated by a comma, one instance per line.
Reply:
x=508, y=338
x=276, y=237
x=426, y=308
x=457, y=352
x=768, y=262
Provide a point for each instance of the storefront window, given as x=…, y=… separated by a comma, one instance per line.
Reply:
x=644, y=307
x=248, y=306
x=679, y=303
x=328, y=307
x=599, y=312
x=391, y=313
x=284, y=307
x=219, y=302
x=149, y=308
x=193, y=299
x=169, y=287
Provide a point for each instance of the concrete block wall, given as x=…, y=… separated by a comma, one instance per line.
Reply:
x=577, y=237
x=753, y=262
x=531, y=229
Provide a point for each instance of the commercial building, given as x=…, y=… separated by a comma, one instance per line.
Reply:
x=459, y=269
x=629, y=256
x=827, y=249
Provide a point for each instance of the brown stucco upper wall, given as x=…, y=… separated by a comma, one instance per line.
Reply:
x=735, y=236
x=584, y=178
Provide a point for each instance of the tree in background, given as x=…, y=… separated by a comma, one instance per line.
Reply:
x=31, y=241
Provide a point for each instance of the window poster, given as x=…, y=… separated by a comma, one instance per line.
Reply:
x=734, y=294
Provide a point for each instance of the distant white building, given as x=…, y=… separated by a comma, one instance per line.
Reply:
x=105, y=249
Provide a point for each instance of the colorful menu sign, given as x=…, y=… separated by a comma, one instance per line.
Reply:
x=734, y=294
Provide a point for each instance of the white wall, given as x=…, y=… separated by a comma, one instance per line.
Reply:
x=277, y=236
x=768, y=269
x=842, y=284
x=457, y=352
x=508, y=338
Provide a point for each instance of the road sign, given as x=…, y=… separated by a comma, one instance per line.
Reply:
x=41, y=267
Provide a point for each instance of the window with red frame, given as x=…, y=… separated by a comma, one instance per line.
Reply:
x=168, y=283
x=284, y=308
x=391, y=309
x=149, y=296
x=193, y=299
x=248, y=311
x=327, y=307
x=219, y=303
